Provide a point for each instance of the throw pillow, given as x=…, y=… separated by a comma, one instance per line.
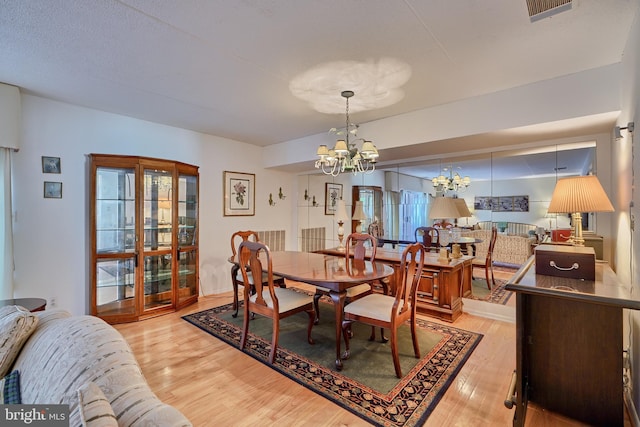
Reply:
x=10, y=389
x=95, y=409
x=16, y=325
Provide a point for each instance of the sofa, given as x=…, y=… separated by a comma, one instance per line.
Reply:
x=83, y=362
x=509, y=249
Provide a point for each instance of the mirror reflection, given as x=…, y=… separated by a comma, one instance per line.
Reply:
x=500, y=187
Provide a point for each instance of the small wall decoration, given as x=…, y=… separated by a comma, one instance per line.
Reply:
x=502, y=203
x=52, y=190
x=239, y=193
x=51, y=164
x=333, y=193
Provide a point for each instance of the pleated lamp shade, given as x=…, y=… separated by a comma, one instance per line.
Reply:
x=579, y=194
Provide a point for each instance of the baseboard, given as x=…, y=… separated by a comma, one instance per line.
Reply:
x=489, y=310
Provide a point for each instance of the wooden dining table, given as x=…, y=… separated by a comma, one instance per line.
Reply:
x=332, y=272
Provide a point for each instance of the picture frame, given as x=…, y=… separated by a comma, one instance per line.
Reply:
x=51, y=164
x=332, y=193
x=52, y=190
x=239, y=192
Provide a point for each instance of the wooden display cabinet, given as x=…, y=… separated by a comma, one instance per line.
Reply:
x=144, y=237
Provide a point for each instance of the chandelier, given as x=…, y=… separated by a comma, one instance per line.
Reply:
x=453, y=182
x=345, y=156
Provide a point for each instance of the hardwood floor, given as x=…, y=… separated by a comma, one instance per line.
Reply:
x=215, y=384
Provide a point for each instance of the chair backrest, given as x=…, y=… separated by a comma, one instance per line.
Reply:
x=410, y=268
x=242, y=236
x=355, y=245
x=492, y=244
x=374, y=230
x=442, y=224
x=250, y=256
x=428, y=236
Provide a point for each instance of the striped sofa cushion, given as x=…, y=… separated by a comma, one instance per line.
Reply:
x=66, y=353
x=16, y=325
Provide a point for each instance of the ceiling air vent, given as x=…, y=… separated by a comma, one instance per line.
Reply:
x=539, y=9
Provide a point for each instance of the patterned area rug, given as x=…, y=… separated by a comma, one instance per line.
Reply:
x=498, y=294
x=367, y=386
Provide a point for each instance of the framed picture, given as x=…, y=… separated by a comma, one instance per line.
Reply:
x=332, y=193
x=52, y=190
x=239, y=194
x=50, y=164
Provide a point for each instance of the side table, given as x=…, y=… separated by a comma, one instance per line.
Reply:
x=31, y=304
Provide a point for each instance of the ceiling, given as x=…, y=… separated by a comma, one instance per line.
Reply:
x=225, y=67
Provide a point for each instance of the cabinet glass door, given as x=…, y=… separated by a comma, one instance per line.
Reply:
x=187, y=236
x=115, y=240
x=158, y=238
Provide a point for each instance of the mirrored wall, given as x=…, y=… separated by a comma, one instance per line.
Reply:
x=503, y=186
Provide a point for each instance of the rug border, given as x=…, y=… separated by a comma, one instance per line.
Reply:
x=473, y=343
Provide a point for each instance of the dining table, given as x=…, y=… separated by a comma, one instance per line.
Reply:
x=335, y=273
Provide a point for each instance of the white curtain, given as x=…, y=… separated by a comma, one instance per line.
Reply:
x=6, y=228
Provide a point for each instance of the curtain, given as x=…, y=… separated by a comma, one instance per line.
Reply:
x=6, y=229
x=413, y=212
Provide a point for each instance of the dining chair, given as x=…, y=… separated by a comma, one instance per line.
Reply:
x=236, y=275
x=387, y=311
x=269, y=301
x=356, y=245
x=487, y=263
x=429, y=237
x=374, y=230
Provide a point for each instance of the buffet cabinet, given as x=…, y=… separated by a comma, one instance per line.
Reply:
x=569, y=345
x=144, y=237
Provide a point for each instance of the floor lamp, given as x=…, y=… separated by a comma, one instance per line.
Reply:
x=575, y=195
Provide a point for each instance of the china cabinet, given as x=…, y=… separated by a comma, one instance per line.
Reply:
x=144, y=237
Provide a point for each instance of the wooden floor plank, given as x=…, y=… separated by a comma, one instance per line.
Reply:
x=213, y=383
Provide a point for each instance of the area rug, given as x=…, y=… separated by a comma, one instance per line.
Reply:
x=497, y=295
x=367, y=385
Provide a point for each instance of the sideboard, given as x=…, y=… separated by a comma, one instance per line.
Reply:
x=569, y=344
x=442, y=283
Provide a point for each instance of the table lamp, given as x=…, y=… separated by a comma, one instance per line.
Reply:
x=359, y=215
x=341, y=217
x=444, y=208
x=575, y=195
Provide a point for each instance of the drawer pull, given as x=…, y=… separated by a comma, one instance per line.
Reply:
x=575, y=266
x=510, y=400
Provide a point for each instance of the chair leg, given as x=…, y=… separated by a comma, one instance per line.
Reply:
x=414, y=337
x=486, y=275
x=274, y=340
x=245, y=327
x=394, y=353
x=312, y=319
x=234, y=282
x=346, y=327
x=316, y=307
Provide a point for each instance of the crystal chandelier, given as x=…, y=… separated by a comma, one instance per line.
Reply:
x=345, y=156
x=453, y=182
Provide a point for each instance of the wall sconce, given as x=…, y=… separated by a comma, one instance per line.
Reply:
x=271, y=202
x=630, y=126
x=281, y=196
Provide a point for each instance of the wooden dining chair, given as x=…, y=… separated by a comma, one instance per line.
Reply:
x=269, y=301
x=387, y=311
x=487, y=263
x=374, y=230
x=356, y=248
x=429, y=237
x=236, y=275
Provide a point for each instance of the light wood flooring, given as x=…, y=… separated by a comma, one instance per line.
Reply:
x=215, y=384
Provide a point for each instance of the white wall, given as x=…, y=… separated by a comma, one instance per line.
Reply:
x=51, y=235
